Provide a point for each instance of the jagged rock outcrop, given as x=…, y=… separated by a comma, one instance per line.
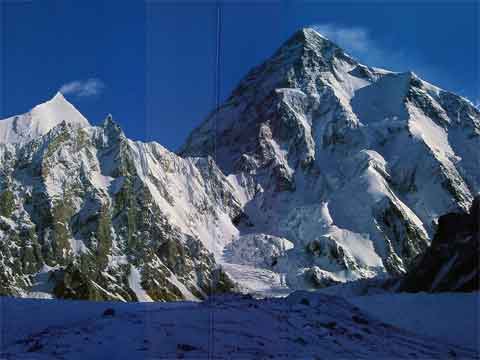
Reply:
x=451, y=263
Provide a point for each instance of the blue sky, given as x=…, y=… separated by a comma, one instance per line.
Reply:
x=151, y=64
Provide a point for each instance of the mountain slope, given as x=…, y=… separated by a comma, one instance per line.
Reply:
x=88, y=214
x=352, y=165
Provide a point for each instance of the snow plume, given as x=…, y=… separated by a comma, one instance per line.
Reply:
x=354, y=39
x=359, y=42
x=83, y=88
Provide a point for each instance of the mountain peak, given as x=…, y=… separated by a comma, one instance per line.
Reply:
x=311, y=32
x=309, y=36
x=56, y=100
x=40, y=120
x=59, y=100
x=58, y=96
x=112, y=129
x=109, y=122
x=308, y=43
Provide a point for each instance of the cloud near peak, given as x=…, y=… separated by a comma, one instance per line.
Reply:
x=83, y=88
x=359, y=42
x=355, y=39
x=363, y=44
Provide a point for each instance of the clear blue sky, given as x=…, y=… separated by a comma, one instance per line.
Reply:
x=151, y=64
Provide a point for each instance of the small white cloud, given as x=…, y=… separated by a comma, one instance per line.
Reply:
x=369, y=48
x=83, y=88
x=354, y=39
x=357, y=41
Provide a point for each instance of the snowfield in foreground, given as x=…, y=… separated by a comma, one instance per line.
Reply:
x=301, y=326
x=453, y=317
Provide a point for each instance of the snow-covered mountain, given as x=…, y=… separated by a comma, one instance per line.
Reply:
x=316, y=170
x=348, y=164
x=87, y=213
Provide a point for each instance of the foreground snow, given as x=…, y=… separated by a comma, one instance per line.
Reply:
x=301, y=326
x=452, y=317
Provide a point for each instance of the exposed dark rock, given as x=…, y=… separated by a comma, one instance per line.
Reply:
x=109, y=312
x=452, y=261
x=36, y=346
x=186, y=347
x=305, y=301
x=359, y=320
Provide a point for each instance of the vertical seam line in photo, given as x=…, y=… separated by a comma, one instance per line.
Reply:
x=218, y=32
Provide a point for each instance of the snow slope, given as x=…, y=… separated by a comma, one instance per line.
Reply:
x=302, y=326
x=451, y=317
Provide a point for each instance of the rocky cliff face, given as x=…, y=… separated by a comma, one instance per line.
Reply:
x=352, y=165
x=87, y=213
x=316, y=170
x=451, y=263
